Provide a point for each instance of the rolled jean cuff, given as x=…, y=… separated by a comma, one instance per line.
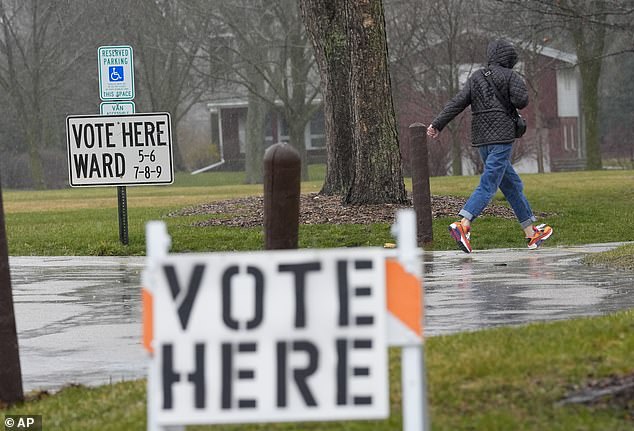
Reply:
x=526, y=223
x=466, y=214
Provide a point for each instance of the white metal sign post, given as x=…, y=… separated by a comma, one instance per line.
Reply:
x=413, y=373
x=277, y=336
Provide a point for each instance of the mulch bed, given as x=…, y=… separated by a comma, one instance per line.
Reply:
x=319, y=209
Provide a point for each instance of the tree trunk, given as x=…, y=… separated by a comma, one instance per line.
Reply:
x=454, y=87
x=296, y=137
x=456, y=151
x=254, y=145
x=296, y=107
x=179, y=164
x=378, y=176
x=590, y=73
x=37, y=170
x=26, y=97
x=33, y=124
x=539, y=130
x=589, y=40
x=326, y=26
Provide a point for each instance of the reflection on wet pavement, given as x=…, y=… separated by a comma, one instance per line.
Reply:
x=79, y=318
x=514, y=286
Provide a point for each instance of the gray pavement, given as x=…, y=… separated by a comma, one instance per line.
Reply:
x=515, y=286
x=78, y=318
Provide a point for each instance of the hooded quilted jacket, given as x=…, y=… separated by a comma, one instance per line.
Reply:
x=490, y=123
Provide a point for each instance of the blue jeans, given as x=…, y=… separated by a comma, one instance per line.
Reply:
x=499, y=173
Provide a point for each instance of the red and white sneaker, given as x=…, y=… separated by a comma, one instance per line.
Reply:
x=461, y=234
x=542, y=233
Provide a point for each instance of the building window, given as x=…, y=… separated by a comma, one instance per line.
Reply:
x=567, y=93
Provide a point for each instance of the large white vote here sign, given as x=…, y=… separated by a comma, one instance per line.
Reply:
x=119, y=150
x=269, y=336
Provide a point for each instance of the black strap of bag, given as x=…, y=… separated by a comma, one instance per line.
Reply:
x=520, y=122
x=506, y=103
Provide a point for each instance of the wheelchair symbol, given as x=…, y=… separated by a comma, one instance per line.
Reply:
x=115, y=73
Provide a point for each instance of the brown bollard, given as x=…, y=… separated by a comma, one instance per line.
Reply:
x=421, y=193
x=11, y=390
x=282, y=172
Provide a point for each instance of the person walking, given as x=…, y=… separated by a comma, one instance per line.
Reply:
x=493, y=134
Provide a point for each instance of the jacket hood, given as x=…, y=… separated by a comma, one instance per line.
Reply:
x=502, y=53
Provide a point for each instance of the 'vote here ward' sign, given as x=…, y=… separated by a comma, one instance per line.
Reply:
x=119, y=150
x=269, y=336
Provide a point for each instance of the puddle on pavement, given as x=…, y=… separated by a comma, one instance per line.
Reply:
x=78, y=320
x=517, y=286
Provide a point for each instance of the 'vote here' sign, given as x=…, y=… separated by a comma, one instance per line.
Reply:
x=270, y=336
x=118, y=151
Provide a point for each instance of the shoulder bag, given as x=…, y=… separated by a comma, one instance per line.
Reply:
x=520, y=122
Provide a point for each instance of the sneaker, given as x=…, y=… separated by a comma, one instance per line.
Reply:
x=542, y=233
x=461, y=234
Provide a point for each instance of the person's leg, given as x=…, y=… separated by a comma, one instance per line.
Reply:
x=495, y=159
x=513, y=189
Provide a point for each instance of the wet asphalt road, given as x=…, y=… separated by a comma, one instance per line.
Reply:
x=79, y=318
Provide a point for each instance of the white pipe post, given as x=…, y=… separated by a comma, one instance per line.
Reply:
x=158, y=243
x=220, y=147
x=415, y=410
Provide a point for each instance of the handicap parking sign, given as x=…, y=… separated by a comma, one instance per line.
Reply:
x=115, y=74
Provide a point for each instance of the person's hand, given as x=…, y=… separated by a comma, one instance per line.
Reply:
x=432, y=132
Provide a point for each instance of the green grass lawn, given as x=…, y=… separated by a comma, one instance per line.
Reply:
x=582, y=207
x=621, y=258
x=506, y=379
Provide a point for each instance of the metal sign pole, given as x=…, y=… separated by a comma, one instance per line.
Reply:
x=414, y=387
x=116, y=83
x=122, y=199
